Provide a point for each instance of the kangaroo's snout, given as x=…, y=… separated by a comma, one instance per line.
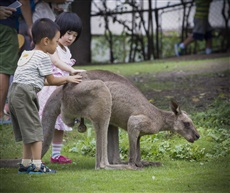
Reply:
x=195, y=137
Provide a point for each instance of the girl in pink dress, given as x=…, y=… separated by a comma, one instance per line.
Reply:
x=70, y=27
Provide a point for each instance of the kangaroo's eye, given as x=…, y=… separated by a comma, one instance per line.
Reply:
x=186, y=124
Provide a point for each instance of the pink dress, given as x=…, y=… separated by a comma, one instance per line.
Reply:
x=46, y=91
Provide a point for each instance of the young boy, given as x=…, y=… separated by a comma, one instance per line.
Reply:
x=34, y=69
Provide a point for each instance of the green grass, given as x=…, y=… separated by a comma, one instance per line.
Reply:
x=157, y=66
x=206, y=170
x=173, y=176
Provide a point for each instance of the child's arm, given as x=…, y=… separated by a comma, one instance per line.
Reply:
x=57, y=81
x=62, y=65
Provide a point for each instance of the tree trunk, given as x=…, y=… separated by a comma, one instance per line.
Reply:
x=81, y=50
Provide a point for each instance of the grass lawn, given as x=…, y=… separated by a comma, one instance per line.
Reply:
x=173, y=176
x=158, y=66
x=179, y=176
x=209, y=173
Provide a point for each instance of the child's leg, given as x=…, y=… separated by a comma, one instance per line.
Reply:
x=57, y=147
x=27, y=155
x=37, y=166
x=57, y=143
x=36, y=149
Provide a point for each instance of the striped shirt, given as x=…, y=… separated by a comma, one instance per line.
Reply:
x=202, y=9
x=32, y=68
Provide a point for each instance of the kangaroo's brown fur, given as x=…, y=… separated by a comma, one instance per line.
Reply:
x=110, y=101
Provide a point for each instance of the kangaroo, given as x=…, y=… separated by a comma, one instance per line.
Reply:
x=110, y=101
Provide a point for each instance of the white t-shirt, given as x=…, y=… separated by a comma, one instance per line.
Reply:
x=32, y=68
x=43, y=10
x=65, y=56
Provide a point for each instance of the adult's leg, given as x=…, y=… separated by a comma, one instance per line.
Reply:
x=188, y=40
x=8, y=61
x=4, y=85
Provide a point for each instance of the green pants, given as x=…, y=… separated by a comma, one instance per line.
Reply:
x=8, y=50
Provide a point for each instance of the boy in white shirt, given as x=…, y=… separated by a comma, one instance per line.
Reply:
x=34, y=69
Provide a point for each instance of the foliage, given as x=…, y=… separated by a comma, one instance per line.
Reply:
x=168, y=39
x=121, y=48
x=151, y=34
x=218, y=115
x=122, y=43
x=100, y=50
x=85, y=146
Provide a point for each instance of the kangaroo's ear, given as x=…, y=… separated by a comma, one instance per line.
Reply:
x=175, y=108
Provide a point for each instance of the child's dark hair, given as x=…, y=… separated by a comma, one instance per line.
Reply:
x=42, y=28
x=69, y=22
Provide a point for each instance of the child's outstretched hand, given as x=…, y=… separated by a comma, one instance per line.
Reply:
x=74, y=79
x=74, y=72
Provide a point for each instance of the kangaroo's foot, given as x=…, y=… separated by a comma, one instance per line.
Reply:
x=118, y=167
x=121, y=167
x=147, y=163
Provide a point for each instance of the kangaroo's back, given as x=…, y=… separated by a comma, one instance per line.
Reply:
x=127, y=99
x=105, y=75
x=116, y=83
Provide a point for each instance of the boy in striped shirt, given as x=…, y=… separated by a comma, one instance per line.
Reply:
x=33, y=71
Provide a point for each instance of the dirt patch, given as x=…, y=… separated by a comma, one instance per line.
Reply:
x=194, y=89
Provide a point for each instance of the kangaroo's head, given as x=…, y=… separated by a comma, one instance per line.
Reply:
x=183, y=124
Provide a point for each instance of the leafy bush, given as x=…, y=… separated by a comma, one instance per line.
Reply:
x=86, y=145
x=217, y=115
